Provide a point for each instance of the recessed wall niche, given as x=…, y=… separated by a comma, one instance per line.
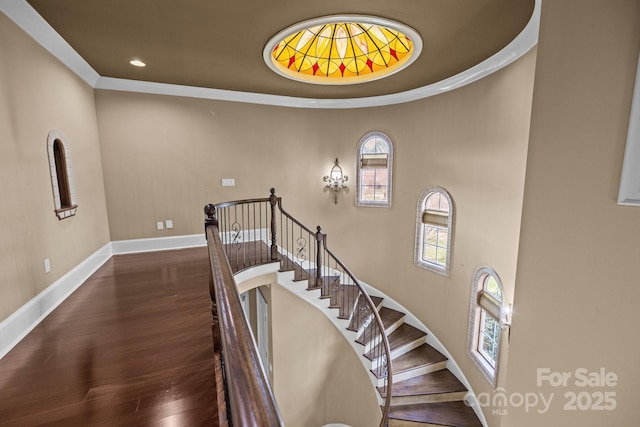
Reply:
x=64, y=192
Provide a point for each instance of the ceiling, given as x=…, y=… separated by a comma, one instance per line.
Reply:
x=218, y=44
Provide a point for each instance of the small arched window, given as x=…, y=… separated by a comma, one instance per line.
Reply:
x=375, y=163
x=61, y=175
x=433, y=230
x=486, y=316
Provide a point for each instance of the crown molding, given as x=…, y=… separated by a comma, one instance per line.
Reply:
x=33, y=24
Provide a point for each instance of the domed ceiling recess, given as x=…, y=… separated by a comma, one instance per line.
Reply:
x=338, y=50
x=217, y=50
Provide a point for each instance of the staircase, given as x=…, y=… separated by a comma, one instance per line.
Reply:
x=424, y=392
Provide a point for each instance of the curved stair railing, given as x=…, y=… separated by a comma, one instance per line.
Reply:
x=246, y=233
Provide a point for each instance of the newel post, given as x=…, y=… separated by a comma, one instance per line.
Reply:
x=211, y=217
x=274, y=247
x=318, y=256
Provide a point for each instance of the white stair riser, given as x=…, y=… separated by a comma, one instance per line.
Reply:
x=408, y=347
x=388, y=330
x=403, y=423
x=416, y=372
x=428, y=398
x=400, y=351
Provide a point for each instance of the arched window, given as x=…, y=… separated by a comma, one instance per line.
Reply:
x=375, y=164
x=64, y=197
x=486, y=317
x=61, y=173
x=433, y=230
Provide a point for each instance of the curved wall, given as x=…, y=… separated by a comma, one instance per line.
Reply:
x=316, y=376
x=164, y=157
x=577, y=293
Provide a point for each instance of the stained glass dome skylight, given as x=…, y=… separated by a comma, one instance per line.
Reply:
x=342, y=50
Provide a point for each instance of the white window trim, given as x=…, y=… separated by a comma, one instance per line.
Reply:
x=629, y=192
x=473, y=337
x=417, y=257
x=375, y=204
x=69, y=211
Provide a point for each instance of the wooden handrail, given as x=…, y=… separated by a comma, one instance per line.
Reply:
x=250, y=400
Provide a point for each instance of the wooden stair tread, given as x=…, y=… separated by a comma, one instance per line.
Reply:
x=343, y=296
x=389, y=318
x=376, y=300
x=419, y=356
x=299, y=273
x=402, y=336
x=451, y=414
x=322, y=282
x=358, y=318
x=437, y=382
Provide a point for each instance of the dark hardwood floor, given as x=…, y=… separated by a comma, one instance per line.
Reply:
x=131, y=347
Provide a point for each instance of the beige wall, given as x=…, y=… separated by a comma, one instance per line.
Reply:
x=37, y=94
x=577, y=288
x=164, y=157
x=317, y=377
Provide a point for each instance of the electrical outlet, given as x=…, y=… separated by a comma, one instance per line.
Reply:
x=228, y=182
x=160, y=225
x=47, y=265
x=168, y=223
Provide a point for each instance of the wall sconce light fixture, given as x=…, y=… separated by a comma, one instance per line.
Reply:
x=505, y=315
x=335, y=181
x=505, y=320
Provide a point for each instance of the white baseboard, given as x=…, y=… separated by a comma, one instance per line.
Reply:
x=158, y=244
x=15, y=327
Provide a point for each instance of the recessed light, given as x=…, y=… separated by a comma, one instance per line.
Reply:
x=137, y=63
